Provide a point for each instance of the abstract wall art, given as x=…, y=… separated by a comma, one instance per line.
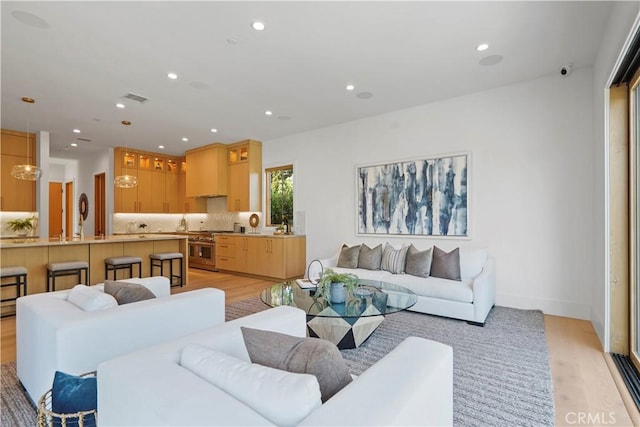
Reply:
x=423, y=197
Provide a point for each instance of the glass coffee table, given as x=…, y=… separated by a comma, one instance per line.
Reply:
x=347, y=324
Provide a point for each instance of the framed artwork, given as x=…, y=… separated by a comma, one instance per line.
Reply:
x=421, y=197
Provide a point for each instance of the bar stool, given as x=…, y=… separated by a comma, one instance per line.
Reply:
x=19, y=275
x=120, y=263
x=158, y=259
x=70, y=268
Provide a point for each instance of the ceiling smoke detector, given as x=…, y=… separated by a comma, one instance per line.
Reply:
x=135, y=97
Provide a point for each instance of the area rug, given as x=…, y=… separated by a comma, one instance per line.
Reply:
x=501, y=373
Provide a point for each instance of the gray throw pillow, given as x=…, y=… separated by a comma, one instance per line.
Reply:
x=313, y=356
x=126, y=293
x=393, y=260
x=370, y=258
x=446, y=265
x=418, y=262
x=349, y=257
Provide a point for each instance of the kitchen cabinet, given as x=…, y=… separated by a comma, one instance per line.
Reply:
x=188, y=204
x=275, y=257
x=158, y=183
x=16, y=194
x=207, y=171
x=245, y=176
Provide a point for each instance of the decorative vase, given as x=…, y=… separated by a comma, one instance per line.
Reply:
x=22, y=233
x=337, y=293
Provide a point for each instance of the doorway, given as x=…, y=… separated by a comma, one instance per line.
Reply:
x=99, y=189
x=68, y=211
x=55, y=209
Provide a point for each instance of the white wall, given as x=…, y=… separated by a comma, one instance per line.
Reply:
x=530, y=184
x=616, y=32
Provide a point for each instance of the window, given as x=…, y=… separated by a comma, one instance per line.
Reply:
x=279, y=195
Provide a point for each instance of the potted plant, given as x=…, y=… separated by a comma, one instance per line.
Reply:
x=332, y=285
x=21, y=226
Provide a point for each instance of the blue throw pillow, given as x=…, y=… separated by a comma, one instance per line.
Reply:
x=71, y=394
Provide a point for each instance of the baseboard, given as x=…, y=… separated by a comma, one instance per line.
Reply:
x=548, y=306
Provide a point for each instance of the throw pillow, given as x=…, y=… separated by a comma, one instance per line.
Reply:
x=126, y=293
x=284, y=398
x=71, y=394
x=370, y=258
x=349, y=257
x=393, y=260
x=90, y=299
x=446, y=265
x=300, y=355
x=418, y=262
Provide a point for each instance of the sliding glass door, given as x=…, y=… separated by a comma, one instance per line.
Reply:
x=634, y=216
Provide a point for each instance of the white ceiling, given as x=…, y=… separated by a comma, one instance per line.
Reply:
x=404, y=53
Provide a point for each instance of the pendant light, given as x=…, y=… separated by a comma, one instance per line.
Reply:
x=27, y=172
x=126, y=180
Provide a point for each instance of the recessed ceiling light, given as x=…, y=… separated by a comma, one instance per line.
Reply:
x=76, y=131
x=350, y=87
x=172, y=76
x=214, y=130
x=120, y=105
x=482, y=47
x=185, y=139
x=73, y=144
x=161, y=147
x=257, y=25
x=268, y=113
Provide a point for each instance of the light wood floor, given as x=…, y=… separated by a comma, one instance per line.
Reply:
x=584, y=389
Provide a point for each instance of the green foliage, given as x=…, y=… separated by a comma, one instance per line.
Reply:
x=281, y=196
x=21, y=224
x=329, y=276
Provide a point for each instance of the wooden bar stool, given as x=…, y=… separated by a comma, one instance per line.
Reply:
x=70, y=268
x=19, y=276
x=158, y=259
x=120, y=263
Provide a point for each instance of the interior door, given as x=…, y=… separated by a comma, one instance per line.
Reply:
x=68, y=209
x=55, y=209
x=99, y=189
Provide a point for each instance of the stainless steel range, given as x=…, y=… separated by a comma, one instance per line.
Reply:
x=202, y=250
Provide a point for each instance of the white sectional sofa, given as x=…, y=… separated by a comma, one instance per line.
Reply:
x=412, y=385
x=54, y=334
x=469, y=299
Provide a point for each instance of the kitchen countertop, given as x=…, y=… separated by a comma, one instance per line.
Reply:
x=10, y=243
x=271, y=235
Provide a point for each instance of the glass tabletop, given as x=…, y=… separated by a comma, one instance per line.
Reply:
x=369, y=298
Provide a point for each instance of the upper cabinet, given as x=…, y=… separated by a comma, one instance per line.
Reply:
x=158, y=182
x=245, y=176
x=207, y=173
x=16, y=194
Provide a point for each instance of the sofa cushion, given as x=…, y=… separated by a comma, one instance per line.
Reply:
x=300, y=355
x=418, y=262
x=472, y=261
x=349, y=256
x=284, y=398
x=433, y=287
x=90, y=299
x=71, y=394
x=369, y=258
x=393, y=260
x=126, y=293
x=364, y=273
x=446, y=265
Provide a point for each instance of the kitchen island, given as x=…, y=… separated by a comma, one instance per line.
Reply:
x=34, y=254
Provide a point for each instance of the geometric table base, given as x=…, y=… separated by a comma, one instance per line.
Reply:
x=347, y=332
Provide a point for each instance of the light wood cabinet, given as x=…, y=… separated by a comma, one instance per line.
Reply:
x=188, y=204
x=158, y=183
x=207, y=171
x=279, y=257
x=245, y=176
x=16, y=194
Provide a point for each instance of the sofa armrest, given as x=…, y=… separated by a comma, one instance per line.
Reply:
x=484, y=290
x=412, y=385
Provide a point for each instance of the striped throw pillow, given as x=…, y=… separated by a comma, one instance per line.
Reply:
x=393, y=260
